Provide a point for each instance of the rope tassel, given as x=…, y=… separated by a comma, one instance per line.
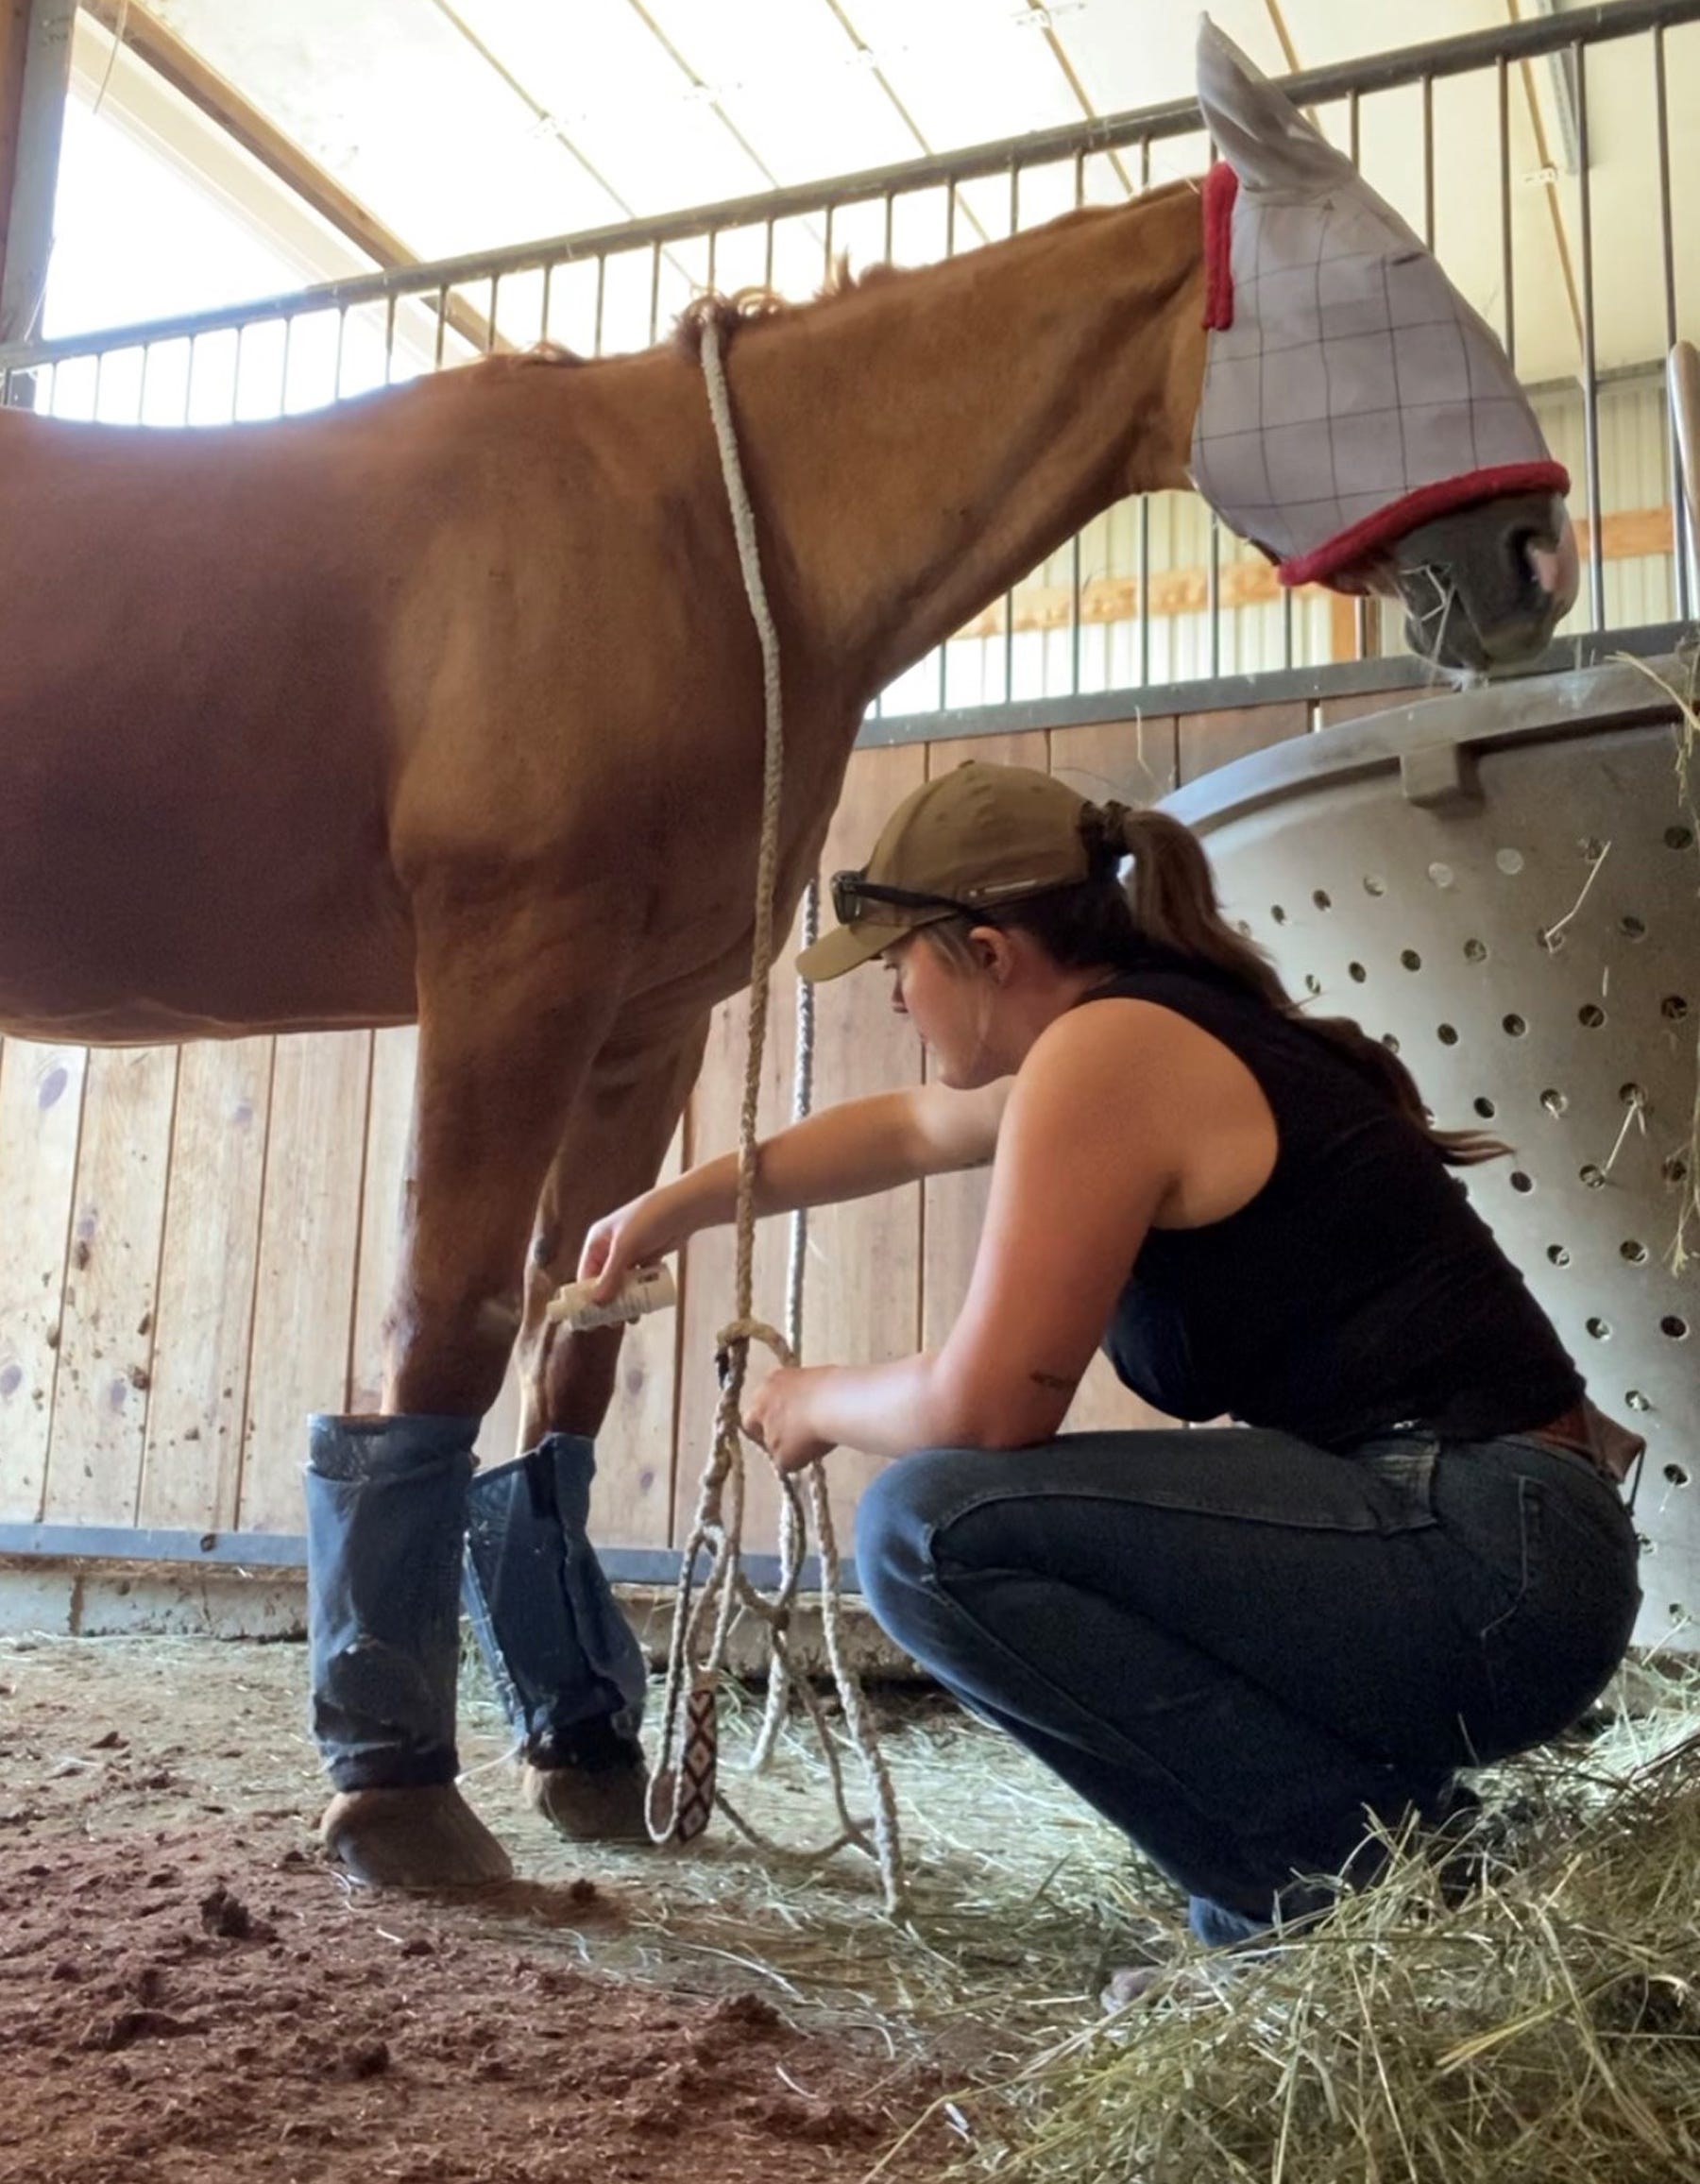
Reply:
x=682, y=1797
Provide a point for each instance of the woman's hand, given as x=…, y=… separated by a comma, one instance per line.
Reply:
x=777, y=1417
x=635, y=1235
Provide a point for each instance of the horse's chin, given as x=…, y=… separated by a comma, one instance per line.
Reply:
x=1484, y=587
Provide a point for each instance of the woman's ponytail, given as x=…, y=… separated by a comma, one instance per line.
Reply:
x=1169, y=900
x=1171, y=893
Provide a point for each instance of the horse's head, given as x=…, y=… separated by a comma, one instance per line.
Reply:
x=1358, y=421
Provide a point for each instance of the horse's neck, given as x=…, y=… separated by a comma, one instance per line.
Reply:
x=919, y=445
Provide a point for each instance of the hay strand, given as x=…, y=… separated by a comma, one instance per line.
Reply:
x=1547, y=2027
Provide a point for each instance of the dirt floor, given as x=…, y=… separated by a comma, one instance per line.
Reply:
x=186, y=1993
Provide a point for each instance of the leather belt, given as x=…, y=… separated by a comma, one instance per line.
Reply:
x=1584, y=1430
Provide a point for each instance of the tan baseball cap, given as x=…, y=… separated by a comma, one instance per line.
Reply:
x=977, y=838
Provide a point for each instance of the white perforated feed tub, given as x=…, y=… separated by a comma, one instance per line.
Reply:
x=1507, y=884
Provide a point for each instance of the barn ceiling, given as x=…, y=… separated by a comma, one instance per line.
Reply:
x=461, y=123
x=466, y=124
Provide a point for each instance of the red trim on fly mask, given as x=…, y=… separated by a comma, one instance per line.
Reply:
x=1360, y=540
x=1222, y=186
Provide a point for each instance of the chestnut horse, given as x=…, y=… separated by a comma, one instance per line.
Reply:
x=445, y=704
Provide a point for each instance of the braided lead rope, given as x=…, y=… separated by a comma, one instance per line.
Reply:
x=726, y=1588
x=793, y=1530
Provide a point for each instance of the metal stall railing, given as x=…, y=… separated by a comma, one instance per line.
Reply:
x=1152, y=607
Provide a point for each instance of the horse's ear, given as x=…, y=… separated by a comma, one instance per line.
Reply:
x=1264, y=138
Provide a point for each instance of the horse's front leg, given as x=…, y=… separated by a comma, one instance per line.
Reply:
x=616, y=1140
x=515, y=1001
x=568, y=1667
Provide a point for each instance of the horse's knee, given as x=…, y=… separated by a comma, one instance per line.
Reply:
x=449, y=1353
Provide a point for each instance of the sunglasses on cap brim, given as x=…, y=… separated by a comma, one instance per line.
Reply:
x=857, y=899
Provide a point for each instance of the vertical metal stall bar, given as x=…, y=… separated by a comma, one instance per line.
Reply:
x=1212, y=568
x=490, y=320
x=889, y=231
x=1075, y=586
x=876, y=711
x=188, y=380
x=1507, y=266
x=442, y=327
x=601, y=297
x=1428, y=160
x=283, y=365
x=1287, y=625
x=1143, y=516
x=389, y=340
x=1668, y=255
x=100, y=370
x=1360, y=607
x=548, y=296
x=1009, y=629
x=654, y=312
x=337, y=367
x=142, y=383
x=950, y=213
x=1590, y=378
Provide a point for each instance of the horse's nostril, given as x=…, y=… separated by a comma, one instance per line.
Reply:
x=1549, y=556
x=1540, y=563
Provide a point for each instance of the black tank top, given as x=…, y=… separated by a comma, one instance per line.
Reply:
x=1357, y=1291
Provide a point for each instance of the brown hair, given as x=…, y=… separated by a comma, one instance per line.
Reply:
x=1170, y=899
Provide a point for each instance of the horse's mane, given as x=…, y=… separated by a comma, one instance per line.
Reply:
x=728, y=312
x=544, y=352
x=755, y=305
x=760, y=305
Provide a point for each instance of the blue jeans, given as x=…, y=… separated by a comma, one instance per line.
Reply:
x=1237, y=1646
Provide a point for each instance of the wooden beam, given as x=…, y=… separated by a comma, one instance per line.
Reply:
x=1547, y=169
x=35, y=66
x=212, y=95
x=15, y=37
x=1631, y=533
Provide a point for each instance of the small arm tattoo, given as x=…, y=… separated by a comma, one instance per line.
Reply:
x=1057, y=1380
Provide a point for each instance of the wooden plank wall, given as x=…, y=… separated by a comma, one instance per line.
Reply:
x=196, y=1245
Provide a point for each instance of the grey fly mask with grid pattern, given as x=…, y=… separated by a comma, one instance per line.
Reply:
x=1351, y=394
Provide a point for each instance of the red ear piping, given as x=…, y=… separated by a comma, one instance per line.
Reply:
x=1222, y=186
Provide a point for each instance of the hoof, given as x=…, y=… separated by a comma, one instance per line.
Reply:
x=590, y=1804
x=1131, y=1984
x=412, y=1839
x=1185, y=1986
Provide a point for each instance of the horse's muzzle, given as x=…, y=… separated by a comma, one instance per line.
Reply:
x=1486, y=587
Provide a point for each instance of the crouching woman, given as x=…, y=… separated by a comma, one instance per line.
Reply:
x=1243, y=1643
